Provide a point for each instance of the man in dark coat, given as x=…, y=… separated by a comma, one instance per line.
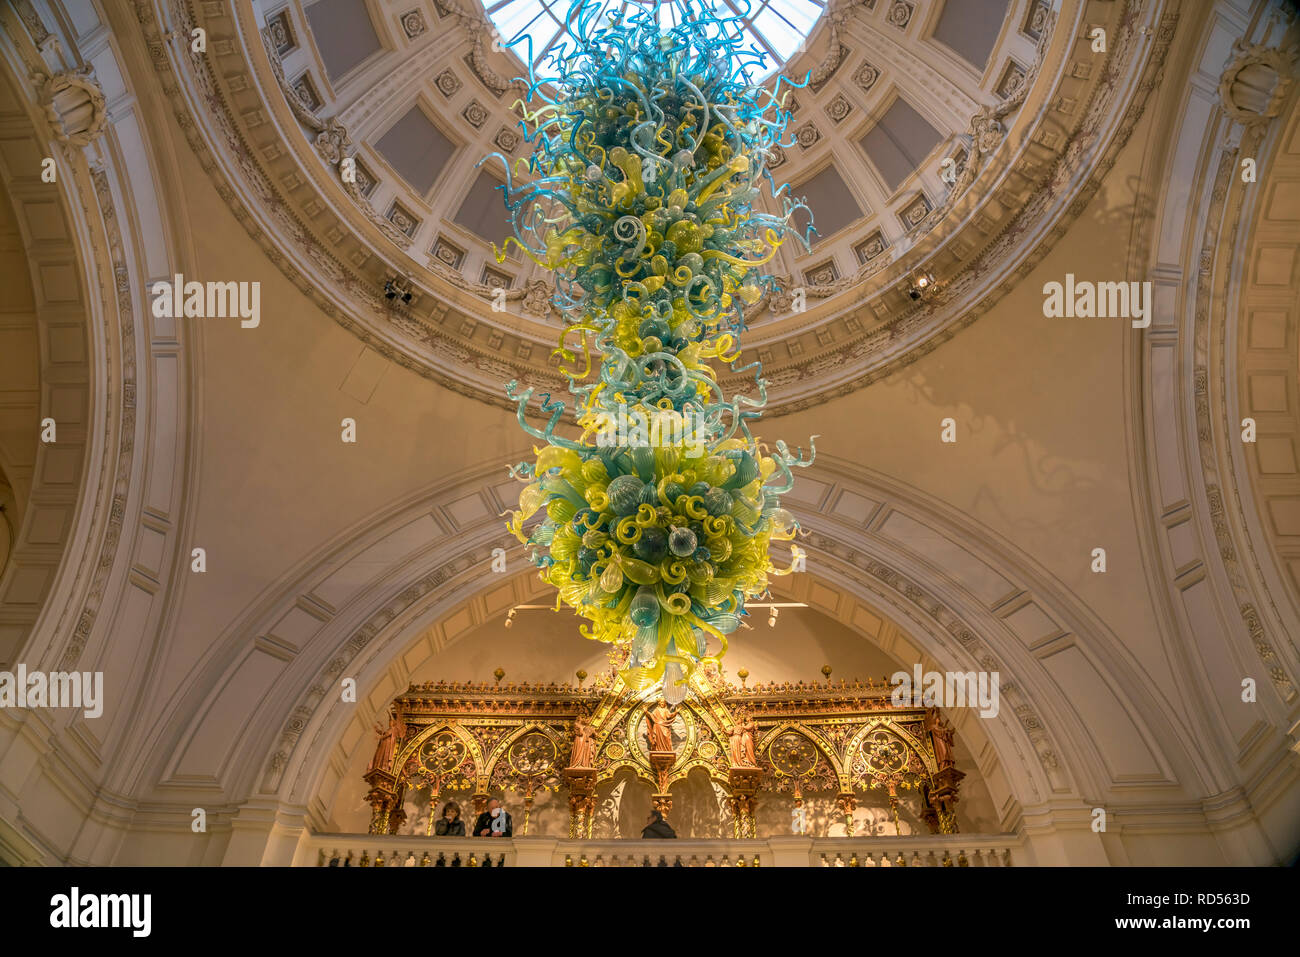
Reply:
x=494, y=822
x=657, y=827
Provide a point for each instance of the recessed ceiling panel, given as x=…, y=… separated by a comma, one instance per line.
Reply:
x=416, y=149
x=970, y=28
x=899, y=142
x=343, y=32
x=483, y=210
x=833, y=206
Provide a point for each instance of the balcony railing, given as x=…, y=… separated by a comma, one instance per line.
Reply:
x=999, y=850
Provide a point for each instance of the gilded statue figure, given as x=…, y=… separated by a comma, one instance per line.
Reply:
x=941, y=733
x=659, y=725
x=747, y=734
x=583, y=743
x=742, y=743
x=387, y=745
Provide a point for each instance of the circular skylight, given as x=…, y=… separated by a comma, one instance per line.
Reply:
x=776, y=27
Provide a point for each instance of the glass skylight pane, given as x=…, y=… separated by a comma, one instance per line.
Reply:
x=799, y=13
x=778, y=33
x=514, y=17
x=771, y=25
x=541, y=49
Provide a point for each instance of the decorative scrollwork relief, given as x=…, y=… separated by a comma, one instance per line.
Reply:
x=1256, y=83
x=73, y=103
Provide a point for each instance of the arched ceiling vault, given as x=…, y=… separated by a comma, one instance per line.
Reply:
x=49, y=348
x=1211, y=528
x=368, y=598
x=118, y=385
x=353, y=587
x=1259, y=308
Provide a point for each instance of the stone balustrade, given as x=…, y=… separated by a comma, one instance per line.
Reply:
x=956, y=850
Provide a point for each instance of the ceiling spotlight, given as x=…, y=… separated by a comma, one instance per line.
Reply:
x=922, y=285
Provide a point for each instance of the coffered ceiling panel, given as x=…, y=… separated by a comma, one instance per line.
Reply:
x=970, y=28
x=344, y=34
x=898, y=143
x=832, y=204
x=483, y=211
x=416, y=149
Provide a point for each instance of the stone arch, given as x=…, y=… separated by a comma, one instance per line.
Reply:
x=101, y=230
x=932, y=586
x=1229, y=611
x=879, y=724
x=411, y=747
x=455, y=610
x=789, y=727
x=50, y=351
x=1260, y=378
x=502, y=747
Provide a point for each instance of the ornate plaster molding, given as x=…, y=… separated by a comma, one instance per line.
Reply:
x=125, y=428
x=1256, y=83
x=843, y=345
x=73, y=103
x=1208, y=331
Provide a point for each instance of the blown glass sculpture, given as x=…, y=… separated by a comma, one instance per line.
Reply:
x=651, y=145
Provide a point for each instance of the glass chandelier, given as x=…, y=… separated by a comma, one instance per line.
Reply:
x=651, y=144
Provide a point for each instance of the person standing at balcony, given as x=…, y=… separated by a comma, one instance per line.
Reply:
x=450, y=824
x=494, y=822
x=657, y=828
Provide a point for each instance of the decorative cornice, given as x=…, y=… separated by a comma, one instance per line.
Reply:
x=859, y=360
x=438, y=354
x=124, y=459
x=333, y=144
x=1209, y=327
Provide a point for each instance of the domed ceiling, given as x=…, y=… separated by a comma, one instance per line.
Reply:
x=951, y=138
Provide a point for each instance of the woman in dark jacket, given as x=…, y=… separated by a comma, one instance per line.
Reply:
x=450, y=824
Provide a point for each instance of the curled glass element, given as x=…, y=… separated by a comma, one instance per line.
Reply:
x=777, y=27
x=651, y=146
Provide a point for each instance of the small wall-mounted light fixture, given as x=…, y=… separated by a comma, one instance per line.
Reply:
x=922, y=284
x=396, y=287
